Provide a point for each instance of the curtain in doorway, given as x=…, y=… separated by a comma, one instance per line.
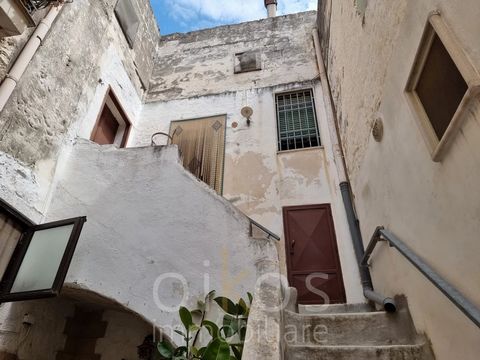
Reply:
x=202, y=147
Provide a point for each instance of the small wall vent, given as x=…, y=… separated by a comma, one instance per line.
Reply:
x=248, y=61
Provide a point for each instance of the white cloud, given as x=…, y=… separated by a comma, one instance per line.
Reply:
x=214, y=12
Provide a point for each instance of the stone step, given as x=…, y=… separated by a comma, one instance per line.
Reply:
x=369, y=328
x=335, y=308
x=392, y=352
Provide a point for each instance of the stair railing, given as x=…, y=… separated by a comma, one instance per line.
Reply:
x=460, y=301
x=268, y=234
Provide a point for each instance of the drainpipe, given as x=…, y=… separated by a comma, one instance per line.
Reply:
x=21, y=63
x=353, y=223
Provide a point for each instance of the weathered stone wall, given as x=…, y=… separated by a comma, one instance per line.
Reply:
x=59, y=85
x=10, y=46
x=202, y=62
x=433, y=207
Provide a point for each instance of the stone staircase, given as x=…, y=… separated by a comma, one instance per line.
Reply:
x=352, y=332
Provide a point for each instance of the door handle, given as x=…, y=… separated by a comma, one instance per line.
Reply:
x=292, y=247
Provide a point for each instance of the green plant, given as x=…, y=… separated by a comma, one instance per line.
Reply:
x=227, y=340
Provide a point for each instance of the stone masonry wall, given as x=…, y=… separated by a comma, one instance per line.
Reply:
x=60, y=82
x=202, y=62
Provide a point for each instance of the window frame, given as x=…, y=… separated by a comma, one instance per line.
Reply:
x=123, y=26
x=16, y=215
x=110, y=93
x=317, y=126
x=436, y=26
x=28, y=231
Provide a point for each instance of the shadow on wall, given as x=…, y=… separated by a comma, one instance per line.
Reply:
x=79, y=324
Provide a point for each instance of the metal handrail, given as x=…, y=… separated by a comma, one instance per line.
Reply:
x=460, y=301
x=263, y=228
x=152, y=143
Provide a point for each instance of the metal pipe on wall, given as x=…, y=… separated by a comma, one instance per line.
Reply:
x=368, y=291
x=10, y=81
x=271, y=6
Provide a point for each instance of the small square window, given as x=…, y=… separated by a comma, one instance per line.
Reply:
x=128, y=19
x=113, y=125
x=297, y=121
x=440, y=86
x=247, y=61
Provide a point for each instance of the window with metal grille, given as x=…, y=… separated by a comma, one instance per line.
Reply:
x=297, y=122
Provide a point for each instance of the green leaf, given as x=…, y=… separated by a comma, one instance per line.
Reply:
x=209, y=296
x=237, y=352
x=218, y=349
x=242, y=307
x=227, y=305
x=250, y=297
x=180, y=351
x=201, y=351
x=193, y=328
x=212, y=328
x=194, y=351
x=230, y=326
x=243, y=332
x=180, y=333
x=165, y=349
x=186, y=317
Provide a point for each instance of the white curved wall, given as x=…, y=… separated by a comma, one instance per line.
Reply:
x=148, y=217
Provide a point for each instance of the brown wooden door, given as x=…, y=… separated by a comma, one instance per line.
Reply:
x=107, y=128
x=312, y=254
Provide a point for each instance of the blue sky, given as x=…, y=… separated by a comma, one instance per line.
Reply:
x=188, y=15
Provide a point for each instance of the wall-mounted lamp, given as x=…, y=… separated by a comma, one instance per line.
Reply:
x=247, y=113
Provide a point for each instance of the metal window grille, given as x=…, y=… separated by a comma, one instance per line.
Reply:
x=297, y=121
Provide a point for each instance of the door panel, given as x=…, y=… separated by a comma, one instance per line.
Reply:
x=312, y=255
x=107, y=128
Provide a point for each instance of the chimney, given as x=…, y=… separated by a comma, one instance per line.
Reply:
x=271, y=6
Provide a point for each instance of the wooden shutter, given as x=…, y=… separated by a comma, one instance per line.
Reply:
x=202, y=148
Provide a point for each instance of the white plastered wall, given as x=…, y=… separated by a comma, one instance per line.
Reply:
x=258, y=179
x=432, y=207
